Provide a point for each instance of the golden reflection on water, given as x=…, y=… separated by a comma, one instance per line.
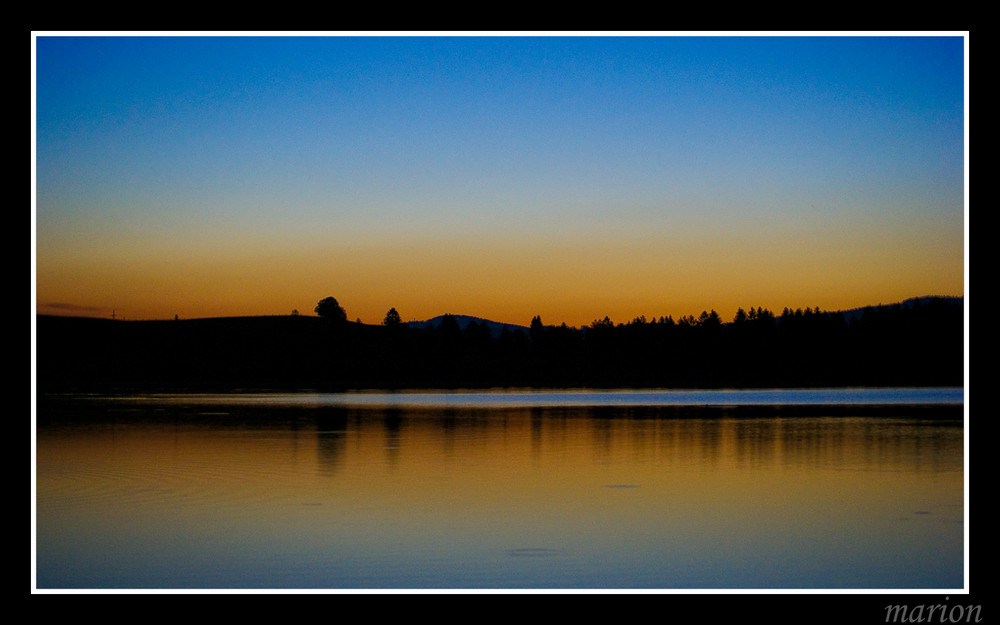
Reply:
x=432, y=498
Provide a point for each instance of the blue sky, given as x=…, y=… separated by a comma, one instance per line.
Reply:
x=677, y=172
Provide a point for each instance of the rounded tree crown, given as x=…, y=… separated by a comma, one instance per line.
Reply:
x=330, y=308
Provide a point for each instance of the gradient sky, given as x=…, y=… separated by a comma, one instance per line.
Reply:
x=571, y=177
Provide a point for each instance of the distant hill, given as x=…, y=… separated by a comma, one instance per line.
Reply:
x=907, y=304
x=496, y=327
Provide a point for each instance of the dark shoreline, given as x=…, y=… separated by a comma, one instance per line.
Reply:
x=75, y=407
x=887, y=346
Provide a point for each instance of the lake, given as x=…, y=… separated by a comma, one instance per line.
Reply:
x=673, y=490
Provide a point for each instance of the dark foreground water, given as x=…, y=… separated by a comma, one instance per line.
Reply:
x=784, y=490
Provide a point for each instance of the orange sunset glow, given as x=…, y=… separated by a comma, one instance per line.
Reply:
x=500, y=177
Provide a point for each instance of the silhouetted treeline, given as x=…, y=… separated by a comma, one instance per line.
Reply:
x=918, y=343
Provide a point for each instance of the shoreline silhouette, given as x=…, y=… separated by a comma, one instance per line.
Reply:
x=919, y=342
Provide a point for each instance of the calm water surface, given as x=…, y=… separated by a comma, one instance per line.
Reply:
x=722, y=490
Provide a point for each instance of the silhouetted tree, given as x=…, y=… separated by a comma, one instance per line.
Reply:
x=392, y=318
x=449, y=327
x=709, y=319
x=687, y=321
x=329, y=307
x=605, y=323
x=537, y=330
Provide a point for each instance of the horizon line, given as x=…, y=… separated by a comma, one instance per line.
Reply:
x=115, y=317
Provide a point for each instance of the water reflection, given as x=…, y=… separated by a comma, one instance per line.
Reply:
x=331, y=438
x=177, y=495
